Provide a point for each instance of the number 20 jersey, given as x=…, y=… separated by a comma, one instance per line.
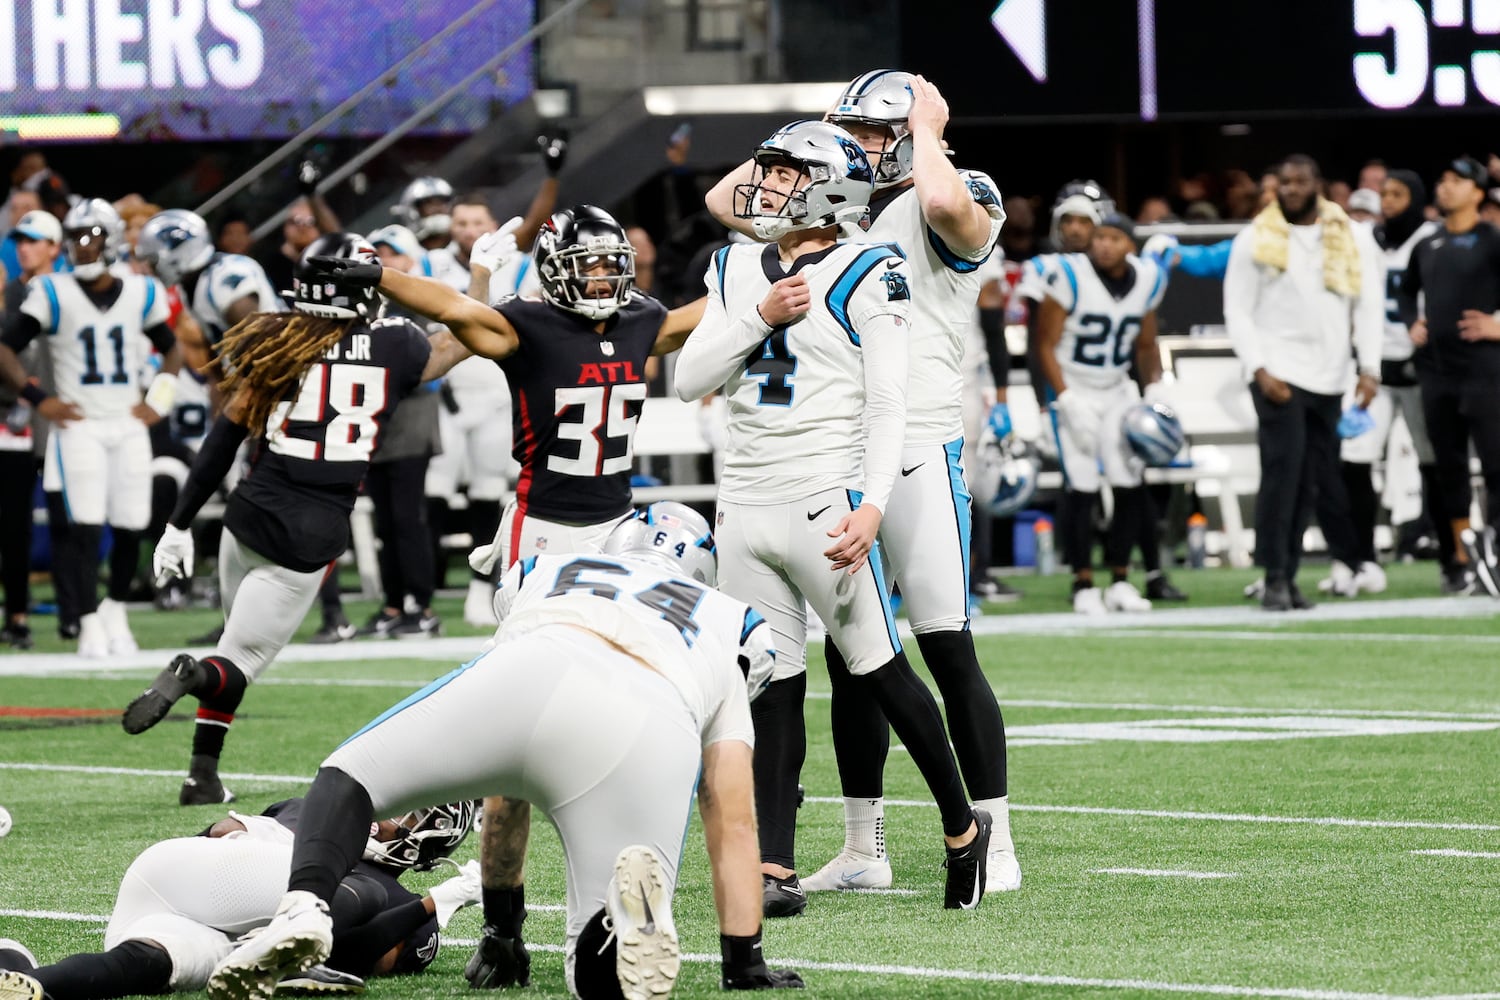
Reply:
x=692, y=635
x=1099, y=334
x=577, y=396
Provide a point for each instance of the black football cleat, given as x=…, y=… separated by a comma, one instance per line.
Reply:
x=784, y=897
x=1159, y=588
x=967, y=867
x=153, y=704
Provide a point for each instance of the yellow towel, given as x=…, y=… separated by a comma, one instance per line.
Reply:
x=1272, y=234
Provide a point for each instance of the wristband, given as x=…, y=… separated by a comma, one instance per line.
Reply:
x=741, y=956
x=162, y=393
x=33, y=393
x=504, y=909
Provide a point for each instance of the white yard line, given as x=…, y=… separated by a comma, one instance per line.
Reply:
x=1164, y=873
x=1449, y=852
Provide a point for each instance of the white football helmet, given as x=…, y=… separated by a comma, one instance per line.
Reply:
x=426, y=207
x=1082, y=197
x=881, y=97
x=1005, y=474
x=176, y=243
x=672, y=535
x=92, y=221
x=837, y=188
x=1154, y=433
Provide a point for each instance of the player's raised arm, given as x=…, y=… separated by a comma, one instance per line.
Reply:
x=680, y=322
x=720, y=199
x=948, y=205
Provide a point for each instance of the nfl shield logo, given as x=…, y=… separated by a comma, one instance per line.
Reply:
x=720, y=519
x=541, y=543
x=607, y=348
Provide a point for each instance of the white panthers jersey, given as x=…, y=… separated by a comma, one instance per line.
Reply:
x=692, y=635
x=1032, y=285
x=1098, y=339
x=945, y=287
x=808, y=375
x=1397, y=345
x=444, y=266
x=228, y=278
x=97, y=353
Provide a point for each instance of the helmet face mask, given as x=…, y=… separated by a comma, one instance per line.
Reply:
x=176, y=243
x=881, y=99
x=316, y=295
x=424, y=836
x=426, y=208
x=585, y=263
x=671, y=535
x=833, y=181
x=93, y=234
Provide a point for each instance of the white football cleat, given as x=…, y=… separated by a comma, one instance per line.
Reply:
x=300, y=936
x=117, y=627
x=850, y=870
x=638, y=905
x=93, y=639
x=1255, y=590
x=1004, y=871
x=1340, y=581
x=1089, y=601
x=1370, y=578
x=479, y=605
x=19, y=986
x=1122, y=596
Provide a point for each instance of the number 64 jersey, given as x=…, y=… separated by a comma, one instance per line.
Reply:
x=706, y=644
x=1098, y=338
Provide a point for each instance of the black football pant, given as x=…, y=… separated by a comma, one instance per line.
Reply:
x=406, y=564
x=1299, y=456
x=17, y=483
x=1460, y=412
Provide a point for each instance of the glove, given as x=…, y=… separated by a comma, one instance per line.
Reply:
x=358, y=274
x=1156, y=392
x=493, y=251
x=1162, y=249
x=457, y=892
x=999, y=421
x=554, y=152
x=173, y=558
x=1354, y=422
x=308, y=176
x=1078, y=419
x=498, y=962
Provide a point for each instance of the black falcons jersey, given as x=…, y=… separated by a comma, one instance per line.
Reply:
x=293, y=505
x=578, y=395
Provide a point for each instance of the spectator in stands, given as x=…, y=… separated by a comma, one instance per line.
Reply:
x=234, y=235
x=1490, y=210
x=20, y=204
x=309, y=218
x=1301, y=285
x=31, y=173
x=1457, y=334
x=1241, y=195
x=1372, y=176
x=1338, y=192
x=1153, y=210
x=1364, y=206
x=37, y=237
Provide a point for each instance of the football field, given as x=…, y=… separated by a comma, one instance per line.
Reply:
x=1206, y=801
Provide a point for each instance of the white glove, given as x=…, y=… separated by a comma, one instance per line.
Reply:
x=1156, y=392
x=173, y=558
x=484, y=558
x=493, y=251
x=456, y=893
x=1160, y=247
x=1078, y=419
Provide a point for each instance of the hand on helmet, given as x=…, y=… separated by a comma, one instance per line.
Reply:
x=493, y=251
x=359, y=274
x=788, y=300
x=554, y=152
x=928, y=109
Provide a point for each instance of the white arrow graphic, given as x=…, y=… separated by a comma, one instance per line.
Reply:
x=1023, y=26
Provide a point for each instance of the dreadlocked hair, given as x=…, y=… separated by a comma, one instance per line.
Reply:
x=265, y=356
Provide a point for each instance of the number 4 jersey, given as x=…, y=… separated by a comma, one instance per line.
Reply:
x=293, y=505
x=1104, y=316
x=577, y=396
x=703, y=642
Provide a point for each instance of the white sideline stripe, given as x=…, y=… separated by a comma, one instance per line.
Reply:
x=1237, y=636
x=1164, y=873
x=1376, y=824
x=1449, y=852
x=1028, y=979
x=82, y=918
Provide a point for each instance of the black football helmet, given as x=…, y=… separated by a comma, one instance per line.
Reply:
x=320, y=294
x=424, y=836
x=572, y=243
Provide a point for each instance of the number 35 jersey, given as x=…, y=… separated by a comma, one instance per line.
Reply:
x=293, y=505
x=577, y=396
x=703, y=642
x=1104, y=316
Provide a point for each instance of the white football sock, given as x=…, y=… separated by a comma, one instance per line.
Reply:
x=864, y=826
x=999, y=810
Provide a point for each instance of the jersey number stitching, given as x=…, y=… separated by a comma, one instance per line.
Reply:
x=91, y=375
x=355, y=393
x=612, y=409
x=775, y=366
x=1103, y=327
x=674, y=600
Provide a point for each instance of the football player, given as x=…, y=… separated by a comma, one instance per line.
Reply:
x=808, y=338
x=183, y=902
x=617, y=683
x=98, y=330
x=312, y=388
x=946, y=222
x=1099, y=316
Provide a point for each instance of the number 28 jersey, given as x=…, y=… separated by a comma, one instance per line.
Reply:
x=1099, y=334
x=693, y=635
x=293, y=505
x=577, y=396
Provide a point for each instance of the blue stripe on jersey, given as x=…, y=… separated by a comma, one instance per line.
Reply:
x=1050, y=396
x=752, y=619
x=874, y=566
x=527, y=565
x=1072, y=281
x=521, y=273
x=413, y=698
x=843, y=289
x=1161, y=275
x=721, y=259
x=426, y=266
x=52, y=303
x=963, y=514
x=950, y=260
x=150, y=299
